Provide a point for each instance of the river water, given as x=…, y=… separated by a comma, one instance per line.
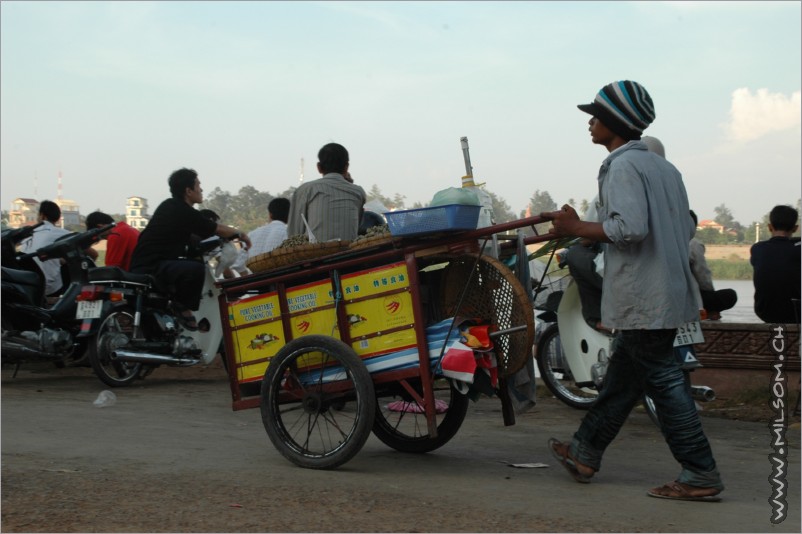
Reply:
x=743, y=311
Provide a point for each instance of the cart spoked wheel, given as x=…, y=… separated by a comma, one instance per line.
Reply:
x=400, y=421
x=318, y=402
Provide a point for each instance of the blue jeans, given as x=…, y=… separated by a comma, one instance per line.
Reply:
x=643, y=361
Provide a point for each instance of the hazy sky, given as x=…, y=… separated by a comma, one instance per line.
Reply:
x=117, y=95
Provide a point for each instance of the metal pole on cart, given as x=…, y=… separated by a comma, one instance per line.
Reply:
x=463, y=141
x=486, y=214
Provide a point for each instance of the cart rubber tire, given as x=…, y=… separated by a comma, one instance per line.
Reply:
x=303, y=423
x=115, y=330
x=407, y=431
x=550, y=362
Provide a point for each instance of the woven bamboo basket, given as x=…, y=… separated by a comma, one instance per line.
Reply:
x=372, y=241
x=281, y=257
x=494, y=294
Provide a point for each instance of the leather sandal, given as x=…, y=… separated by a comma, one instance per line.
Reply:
x=580, y=472
x=683, y=492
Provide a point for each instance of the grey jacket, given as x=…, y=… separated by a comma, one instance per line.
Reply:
x=643, y=207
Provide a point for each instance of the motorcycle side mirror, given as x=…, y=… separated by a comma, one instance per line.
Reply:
x=15, y=235
x=90, y=237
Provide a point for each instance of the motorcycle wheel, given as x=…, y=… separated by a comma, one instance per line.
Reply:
x=399, y=425
x=556, y=374
x=115, y=331
x=318, y=402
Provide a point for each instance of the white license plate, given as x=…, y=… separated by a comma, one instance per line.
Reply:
x=689, y=333
x=89, y=309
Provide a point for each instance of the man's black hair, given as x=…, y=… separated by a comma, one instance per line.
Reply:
x=50, y=210
x=695, y=220
x=279, y=209
x=783, y=218
x=180, y=180
x=333, y=158
x=98, y=218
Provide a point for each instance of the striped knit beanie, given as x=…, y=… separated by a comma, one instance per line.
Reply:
x=624, y=107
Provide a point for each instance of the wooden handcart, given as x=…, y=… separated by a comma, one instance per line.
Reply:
x=342, y=340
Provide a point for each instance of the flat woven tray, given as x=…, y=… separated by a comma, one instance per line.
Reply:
x=372, y=241
x=288, y=255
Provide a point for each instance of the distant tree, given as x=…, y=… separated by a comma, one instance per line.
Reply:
x=723, y=216
x=221, y=203
x=287, y=194
x=711, y=236
x=539, y=202
x=398, y=201
x=4, y=216
x=249, y=209
x=376, y=194
x=501, y=210
x=733, y=229
x=584, y=206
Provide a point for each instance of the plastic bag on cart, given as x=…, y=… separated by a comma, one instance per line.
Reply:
x=458, y=362
x=227, y=257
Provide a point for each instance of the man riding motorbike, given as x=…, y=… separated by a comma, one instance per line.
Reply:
x=162, y=247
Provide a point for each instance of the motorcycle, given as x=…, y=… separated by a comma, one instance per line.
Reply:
x=136, y=329
x=572, y=357
x=32, y=330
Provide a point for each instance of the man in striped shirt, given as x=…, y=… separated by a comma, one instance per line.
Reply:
x=332, y=205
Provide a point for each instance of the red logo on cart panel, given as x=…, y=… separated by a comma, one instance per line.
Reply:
x=392, y=305
x=303, y=326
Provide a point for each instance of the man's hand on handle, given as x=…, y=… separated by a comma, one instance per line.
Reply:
x=566, y=222
x=563, y=222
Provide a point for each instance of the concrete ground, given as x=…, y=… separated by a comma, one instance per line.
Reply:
x=171, y=456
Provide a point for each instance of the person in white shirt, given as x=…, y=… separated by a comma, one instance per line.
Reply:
x=47, y=234
x=265, y=238
x=269, y=236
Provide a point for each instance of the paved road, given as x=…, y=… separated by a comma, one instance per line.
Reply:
x=171, y=455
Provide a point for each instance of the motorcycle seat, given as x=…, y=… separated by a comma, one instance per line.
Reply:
x=115, y=274
x=22, y=278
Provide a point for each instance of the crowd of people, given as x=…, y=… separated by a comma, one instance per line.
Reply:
x=332, y=207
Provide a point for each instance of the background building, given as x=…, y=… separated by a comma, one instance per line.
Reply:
x=70, y=213
x=23, y=212
x=136, y=212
